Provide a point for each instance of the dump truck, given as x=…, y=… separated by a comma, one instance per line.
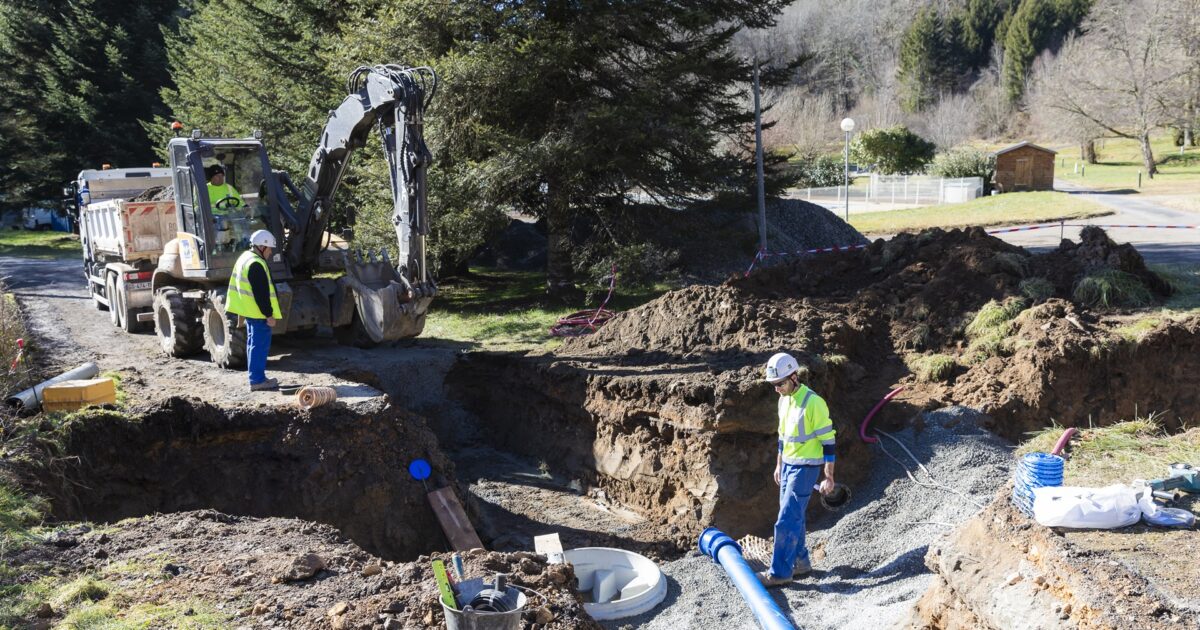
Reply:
x=122, y=239
x=373, y=300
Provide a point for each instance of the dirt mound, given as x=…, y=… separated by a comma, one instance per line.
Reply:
x=326, y=465
x=277, y=572
x=1094, y=252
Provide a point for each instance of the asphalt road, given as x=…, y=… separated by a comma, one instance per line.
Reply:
x=1166, y=246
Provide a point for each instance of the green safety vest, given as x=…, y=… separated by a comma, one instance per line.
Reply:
x=804, y=428
x=217, y=193
x=239, y=300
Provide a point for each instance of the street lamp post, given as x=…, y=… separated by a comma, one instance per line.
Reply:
x=847, y=126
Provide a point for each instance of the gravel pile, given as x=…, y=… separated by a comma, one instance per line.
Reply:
x=797, y=225
x=869, y=560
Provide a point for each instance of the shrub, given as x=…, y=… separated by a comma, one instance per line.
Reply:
x=891, y=151
x=1109, y=288
x=819, y=171
x=966, y=162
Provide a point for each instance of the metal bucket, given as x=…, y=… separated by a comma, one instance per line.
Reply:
x=474, y=620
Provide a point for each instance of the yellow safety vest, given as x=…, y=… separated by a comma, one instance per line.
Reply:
x=804, y=428
x=217, y=193
x=239, y=300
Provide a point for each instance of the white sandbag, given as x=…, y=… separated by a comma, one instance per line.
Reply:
x=1086, y=508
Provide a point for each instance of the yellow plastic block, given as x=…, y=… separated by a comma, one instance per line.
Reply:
x=71, y=395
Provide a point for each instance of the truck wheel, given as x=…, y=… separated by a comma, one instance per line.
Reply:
x=110, y=291
x=354, y=334
x=177, y=323
x=225, y=342
x=129, y=321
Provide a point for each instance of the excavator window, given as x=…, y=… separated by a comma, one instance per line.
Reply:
x=237, y=206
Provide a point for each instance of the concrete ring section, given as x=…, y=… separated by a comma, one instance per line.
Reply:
x=616, y=583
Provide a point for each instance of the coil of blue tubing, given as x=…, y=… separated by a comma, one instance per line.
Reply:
x=1035, y=470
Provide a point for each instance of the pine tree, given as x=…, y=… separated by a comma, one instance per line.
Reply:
x=560, y=109
x=84, y=73
x=1036, y=25
x=933, y=59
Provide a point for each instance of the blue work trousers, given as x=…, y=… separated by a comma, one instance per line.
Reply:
x=795, y=487
x=258, y=344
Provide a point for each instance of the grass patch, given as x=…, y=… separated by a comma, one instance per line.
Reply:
x=19, y=513
x=1120, y=159
x=12, y=328
x=931, y=368
x=42, y=245
x=989, y=330
x=1134, y=332
x=1110, y=288
x=1037, y=289
x=1119, y=453
x=1185, y=284
x=1007, y=209
x=510, y=310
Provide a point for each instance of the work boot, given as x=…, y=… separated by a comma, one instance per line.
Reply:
x=769, y=580
x=266, y=385
x=800, y=568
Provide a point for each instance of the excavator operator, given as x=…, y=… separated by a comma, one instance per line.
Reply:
x=222, y=197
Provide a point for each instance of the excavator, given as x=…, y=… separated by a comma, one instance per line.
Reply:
x=372, y=300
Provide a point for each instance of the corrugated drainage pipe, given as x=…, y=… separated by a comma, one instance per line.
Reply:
x=720, y=547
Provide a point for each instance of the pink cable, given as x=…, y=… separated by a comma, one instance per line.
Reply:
x=862, y=429
x=1063, y=440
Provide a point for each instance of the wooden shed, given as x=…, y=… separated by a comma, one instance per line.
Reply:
x=1024, y=166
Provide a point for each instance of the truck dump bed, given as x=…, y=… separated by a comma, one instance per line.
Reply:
x=129, y=230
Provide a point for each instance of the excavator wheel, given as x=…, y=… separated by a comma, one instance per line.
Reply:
x=354, y=334
x=177, y=323
x=225, y=342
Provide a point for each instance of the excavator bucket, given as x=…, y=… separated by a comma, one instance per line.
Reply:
x=388, y=306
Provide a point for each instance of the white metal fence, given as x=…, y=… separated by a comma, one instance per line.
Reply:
x=917, y=190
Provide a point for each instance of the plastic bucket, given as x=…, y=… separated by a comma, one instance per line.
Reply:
x=472, y=620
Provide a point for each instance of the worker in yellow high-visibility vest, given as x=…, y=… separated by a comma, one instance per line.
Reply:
x=806, y=449
x=222, y=196
x=251, y=294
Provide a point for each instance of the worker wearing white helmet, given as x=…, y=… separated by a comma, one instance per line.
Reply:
x=251, y=295
x=806, y=439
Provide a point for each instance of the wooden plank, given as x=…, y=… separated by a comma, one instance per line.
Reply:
x=453, y=520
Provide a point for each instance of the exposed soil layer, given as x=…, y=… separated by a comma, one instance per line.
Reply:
x=288, y=573
x=341, y=468
x=664, y=410
x=1069, y=367
x=1002, y=570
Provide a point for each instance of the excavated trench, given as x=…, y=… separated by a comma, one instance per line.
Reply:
x=332, y=465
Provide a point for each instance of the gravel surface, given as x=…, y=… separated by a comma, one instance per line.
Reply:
x=869, y=561
x=799, y=225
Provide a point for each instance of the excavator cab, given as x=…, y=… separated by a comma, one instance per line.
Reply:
x=225, y=191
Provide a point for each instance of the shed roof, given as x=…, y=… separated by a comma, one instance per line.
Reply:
x=1024, y=144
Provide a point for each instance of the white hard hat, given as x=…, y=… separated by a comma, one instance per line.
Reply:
x=262, y=238
x=781, y=366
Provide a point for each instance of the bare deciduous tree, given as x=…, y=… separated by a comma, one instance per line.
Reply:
x=804, y=121
x=950, y=122
x=1121, y=74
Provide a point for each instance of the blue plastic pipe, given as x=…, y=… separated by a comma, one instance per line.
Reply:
x=724, y=550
